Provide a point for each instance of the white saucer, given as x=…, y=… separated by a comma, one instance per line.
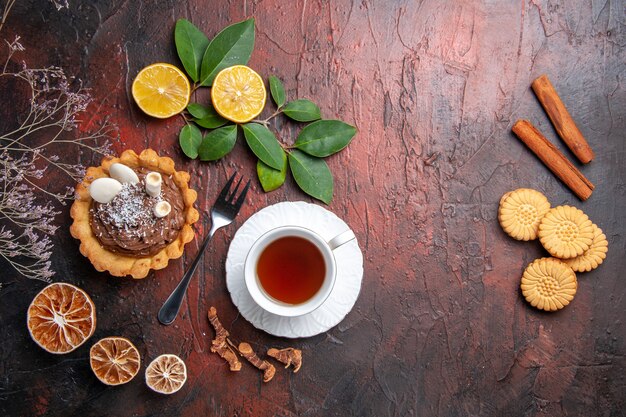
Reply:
x=349, y=269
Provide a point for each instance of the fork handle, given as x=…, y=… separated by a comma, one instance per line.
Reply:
x=169, y=311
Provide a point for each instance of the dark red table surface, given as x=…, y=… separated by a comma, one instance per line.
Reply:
x=440, y=327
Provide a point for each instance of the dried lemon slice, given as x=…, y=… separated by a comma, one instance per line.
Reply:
x=114, y=360
x=166, y=374
x=592, y=257
x=61, y=318
x=238, y=93
x=520, y=212
x=565, y=232
x=549, y=284
x=161, y=90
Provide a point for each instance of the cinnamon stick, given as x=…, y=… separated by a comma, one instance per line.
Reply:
x=561, y=119
x=553, y=159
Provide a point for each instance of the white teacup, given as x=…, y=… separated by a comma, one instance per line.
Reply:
x=272, y=305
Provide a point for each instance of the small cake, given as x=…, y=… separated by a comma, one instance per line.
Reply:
x=133, y=213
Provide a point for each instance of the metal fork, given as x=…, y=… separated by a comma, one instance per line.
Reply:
x=222, y=214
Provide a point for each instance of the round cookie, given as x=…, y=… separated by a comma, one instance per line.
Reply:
x=548, y=284
x=565, y=232
x=592, y=257
x=520, y=212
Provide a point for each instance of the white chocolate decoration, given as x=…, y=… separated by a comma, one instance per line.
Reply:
x=123, y=174
x=162, y=209
x=153, y=184
x=103, y=190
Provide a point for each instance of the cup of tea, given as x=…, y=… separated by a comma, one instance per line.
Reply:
x=291, y=270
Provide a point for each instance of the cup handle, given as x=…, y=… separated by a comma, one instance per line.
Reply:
x=340, y=239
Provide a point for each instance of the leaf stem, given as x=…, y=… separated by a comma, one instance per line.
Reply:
x=195, y=87
x=276, y=113
x=263, y=122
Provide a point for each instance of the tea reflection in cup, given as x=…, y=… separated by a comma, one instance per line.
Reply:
x=291, y=270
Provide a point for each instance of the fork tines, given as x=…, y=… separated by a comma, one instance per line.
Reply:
x=224, y=191
x=227, y=196
x=242, y=197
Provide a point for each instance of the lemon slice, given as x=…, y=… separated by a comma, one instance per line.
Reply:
x=61, y=318
x=166, y=374
x=161, y=90
x=238, y=93
x=114, y=360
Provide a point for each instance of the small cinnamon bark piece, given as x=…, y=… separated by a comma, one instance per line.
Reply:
x=553, y=159
x=288, y=356
x=220, y=344
x=561, y=119
x=268, y=369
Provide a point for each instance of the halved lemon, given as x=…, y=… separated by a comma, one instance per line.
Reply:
x=166, y=374
x=238, y=93
x=114, y=360
x=161, y=90
x=61, y=318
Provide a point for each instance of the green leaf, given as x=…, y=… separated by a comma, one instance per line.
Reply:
x=211, y=122
x=189, y=139
x=325, y=137
x=264, y=144
x=198, y=110
x=312, y=175
x=302, y=110
x=206, y=116
x=190, y=45
x=217, y=143
x=232, y=46
x=269, y=177
x=277, y=90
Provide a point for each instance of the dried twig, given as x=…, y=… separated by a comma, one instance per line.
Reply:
x=25, y=159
